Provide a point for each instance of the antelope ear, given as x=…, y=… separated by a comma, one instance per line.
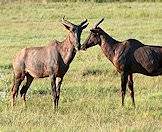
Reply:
x=94, y=31
x=67, y=27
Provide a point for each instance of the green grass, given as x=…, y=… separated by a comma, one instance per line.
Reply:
x=96, y=1
x=90, y=99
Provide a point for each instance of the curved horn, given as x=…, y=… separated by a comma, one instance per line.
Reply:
x=67, y=22
x=98, y=22
x=84, y=22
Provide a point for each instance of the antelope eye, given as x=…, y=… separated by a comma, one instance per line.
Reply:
x=93, y=33
x=96, y=34
x=74, y=29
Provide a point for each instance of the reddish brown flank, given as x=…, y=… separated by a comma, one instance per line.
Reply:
x=51, y=61
x=129, y=56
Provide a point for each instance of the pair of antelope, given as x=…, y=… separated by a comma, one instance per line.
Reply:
x=129, y=56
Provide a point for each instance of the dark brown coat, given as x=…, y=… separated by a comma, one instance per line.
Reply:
x=129, y=56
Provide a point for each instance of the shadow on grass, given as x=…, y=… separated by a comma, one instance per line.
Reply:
x=40, y=92
x=6, y=67
x=91, y=72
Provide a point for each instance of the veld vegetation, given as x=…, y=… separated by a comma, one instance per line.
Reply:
x=97, y=1
x=90, y=99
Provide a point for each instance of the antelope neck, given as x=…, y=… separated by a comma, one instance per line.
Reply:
x=68, y=50
x=108, y=46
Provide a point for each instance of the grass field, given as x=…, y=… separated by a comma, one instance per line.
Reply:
x=90, y=99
